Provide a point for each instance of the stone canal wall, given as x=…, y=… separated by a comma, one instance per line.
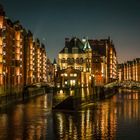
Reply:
x=73, y=99
x=11, y=97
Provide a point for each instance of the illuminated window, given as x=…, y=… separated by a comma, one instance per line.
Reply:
x=1, y=23
x=0, y=69
x=0, y=58
x=71, y=74
x=4, y=53
x=0, y=41
x=88, y=60
x=72, y=82
x=4, y=61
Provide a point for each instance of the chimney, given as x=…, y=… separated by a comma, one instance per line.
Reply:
x=2, y=12
x=67, y=40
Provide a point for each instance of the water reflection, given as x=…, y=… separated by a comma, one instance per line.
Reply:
x=130, y=104
x=110, y=119
x=80, y=95
x=27, y=121
x=114, y=118
x=87, y=124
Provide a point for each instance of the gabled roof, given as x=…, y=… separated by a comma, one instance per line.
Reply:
x=73, y=43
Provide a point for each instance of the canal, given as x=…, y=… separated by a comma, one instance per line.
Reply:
x=114, y=118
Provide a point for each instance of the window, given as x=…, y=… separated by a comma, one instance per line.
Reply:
x=74, y=50
x=0, y=41
x=66, y=50
x=81, y=60
x=77, y=60
x=68, y=60
x=71, y=74
x=1, y=68
x=63, y=60
x=72, y=82
x=4, y=53
x=81, y=68
x=72, y=60
x=1, y=58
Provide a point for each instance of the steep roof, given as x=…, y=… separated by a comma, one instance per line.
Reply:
x=73, y=43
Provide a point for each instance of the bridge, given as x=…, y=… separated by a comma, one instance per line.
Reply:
x=124, y=84
x=129, y=84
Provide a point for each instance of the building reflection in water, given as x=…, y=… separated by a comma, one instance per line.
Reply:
x=85, y=125
x=130, y=104
x=88, y=123
x=27, y=121
x=108, y=119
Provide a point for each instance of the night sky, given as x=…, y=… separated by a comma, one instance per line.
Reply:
x=53, y=20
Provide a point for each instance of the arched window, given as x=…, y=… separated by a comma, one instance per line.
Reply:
x=77, y=60
x=63, y=60
x=72, y=60
x=87, y=60
x=81, y=60
x=68, y=60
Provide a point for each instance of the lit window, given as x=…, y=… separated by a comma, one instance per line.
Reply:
x=4, y=61
x=4, y=53
x=71, y=75
x=72, y=60
x=72, y=82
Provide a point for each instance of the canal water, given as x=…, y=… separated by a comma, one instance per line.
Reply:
x=115, y=118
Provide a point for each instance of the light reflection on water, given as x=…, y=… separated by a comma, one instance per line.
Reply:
x=28, y=120
x=114, y=118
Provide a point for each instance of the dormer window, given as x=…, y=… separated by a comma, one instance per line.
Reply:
x=74, y=50
x=66, y=50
